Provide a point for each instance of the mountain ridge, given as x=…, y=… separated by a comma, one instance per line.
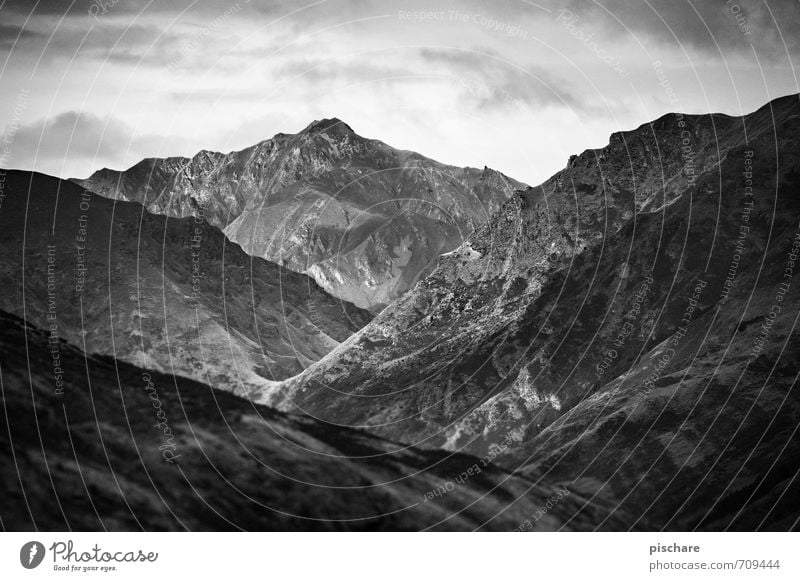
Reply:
x=571, y=294
x=121, y=448
x=364, y=219
x=164, y=293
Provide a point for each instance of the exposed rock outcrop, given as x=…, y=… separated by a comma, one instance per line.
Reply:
x=365, y=220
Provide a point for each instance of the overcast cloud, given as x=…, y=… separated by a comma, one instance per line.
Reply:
x=515, y=85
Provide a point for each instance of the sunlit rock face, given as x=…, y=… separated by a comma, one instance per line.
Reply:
x=615, y=323
x=365, y=220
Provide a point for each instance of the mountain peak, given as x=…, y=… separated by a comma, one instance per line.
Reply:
x=333, y=126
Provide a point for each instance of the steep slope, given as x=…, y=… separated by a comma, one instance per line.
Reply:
x=108, y=446
x=365, y=220
x=615, y=312
x=168, y=293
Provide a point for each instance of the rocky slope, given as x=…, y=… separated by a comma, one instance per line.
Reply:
x=165, y=293
x=621, y=326
x=104, y=445
x=365, y=220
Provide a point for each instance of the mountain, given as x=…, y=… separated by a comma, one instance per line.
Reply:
x=164, y=293
x=627, y=325
x=104, y=445
x=365, y=220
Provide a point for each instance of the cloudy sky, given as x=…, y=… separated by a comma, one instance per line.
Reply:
x=516, y=85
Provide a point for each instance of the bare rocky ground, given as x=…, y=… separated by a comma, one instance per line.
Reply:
x=93, y=458
x=603, y=328
x=614, y=349
x=164, y=293
x=365, y=220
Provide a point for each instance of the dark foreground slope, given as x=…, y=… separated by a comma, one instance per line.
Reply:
x=629, y=325
x=367, y=221
x=165, y=293
x=93, y=443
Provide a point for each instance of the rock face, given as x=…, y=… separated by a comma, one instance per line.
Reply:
x=366, y=221
x=164, y=293
x=627, y=326
x=109, y=446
